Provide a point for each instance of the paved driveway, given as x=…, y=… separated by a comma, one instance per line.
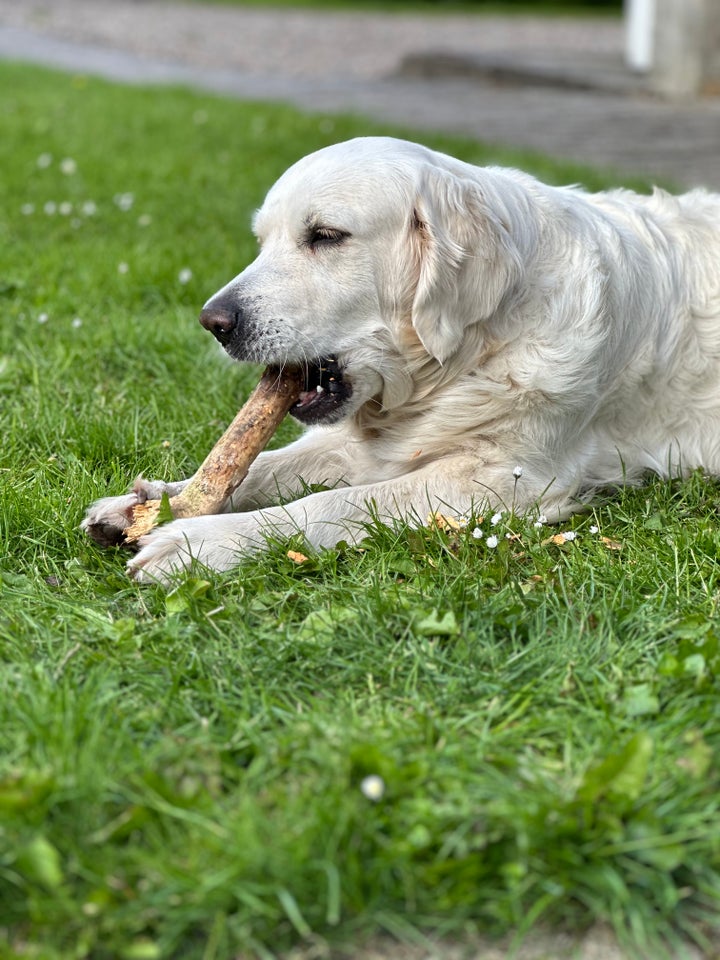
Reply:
x=557, y=85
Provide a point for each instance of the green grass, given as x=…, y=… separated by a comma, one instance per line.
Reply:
x=180, y=775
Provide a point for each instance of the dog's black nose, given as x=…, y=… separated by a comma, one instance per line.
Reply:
x=221, y=322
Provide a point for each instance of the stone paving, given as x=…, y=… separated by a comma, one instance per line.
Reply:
x=557, y=86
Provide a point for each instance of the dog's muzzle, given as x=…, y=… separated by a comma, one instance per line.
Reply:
x=325, y=389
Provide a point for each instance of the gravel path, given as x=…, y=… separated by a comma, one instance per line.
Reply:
x=331, y=61
x=291, y=42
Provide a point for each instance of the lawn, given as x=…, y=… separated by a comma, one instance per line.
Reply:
x=185, y=775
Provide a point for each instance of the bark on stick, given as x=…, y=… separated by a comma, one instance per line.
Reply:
x=227, y=464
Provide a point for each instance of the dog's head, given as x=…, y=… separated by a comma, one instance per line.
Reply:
x=366, y=246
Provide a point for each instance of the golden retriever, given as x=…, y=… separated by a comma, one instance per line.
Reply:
x=459, y=326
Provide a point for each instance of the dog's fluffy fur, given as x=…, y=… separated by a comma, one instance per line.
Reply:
x=480, y=321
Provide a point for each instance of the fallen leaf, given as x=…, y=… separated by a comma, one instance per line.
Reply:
x=320, y=626
x=639, y=700
x=558, y=540
x=618, y=775
x=437, y=624
x=40, y=862
x=296, y=556
x=610, y=544
x=527, y=585
x=442, y=522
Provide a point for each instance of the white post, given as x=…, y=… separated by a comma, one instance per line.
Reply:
x=679, y=41
x=639, y=33
x=676, y=42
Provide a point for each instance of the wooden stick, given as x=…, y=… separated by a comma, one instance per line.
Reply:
x=227, y=464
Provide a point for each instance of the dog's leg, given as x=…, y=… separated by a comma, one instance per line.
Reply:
x=318, y=457
x=219, y=542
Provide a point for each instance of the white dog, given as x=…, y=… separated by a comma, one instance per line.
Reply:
x=456, y=322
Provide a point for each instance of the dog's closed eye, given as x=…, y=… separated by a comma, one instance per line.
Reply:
x=321, y=236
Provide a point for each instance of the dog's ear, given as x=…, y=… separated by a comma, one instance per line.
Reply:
x=467, y=260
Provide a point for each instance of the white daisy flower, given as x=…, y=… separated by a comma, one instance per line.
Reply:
x=50, y=208
x=477, y=533
x=492, y=541
x=89, y=208
x=77, y=322
x=594, y=529
x=495, y=519
x=44, y=161
x=185, y=275
x=517, y=472
x=373, y=787
x=124, y=200
x=68, y=166
x=569, y=535
x=27, y=209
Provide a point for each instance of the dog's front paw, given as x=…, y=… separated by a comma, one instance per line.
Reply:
x=107, y=519
x=172, y=548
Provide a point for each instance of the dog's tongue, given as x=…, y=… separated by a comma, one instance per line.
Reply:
x=307, y=396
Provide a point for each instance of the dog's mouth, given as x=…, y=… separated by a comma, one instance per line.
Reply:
x=324, y=393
